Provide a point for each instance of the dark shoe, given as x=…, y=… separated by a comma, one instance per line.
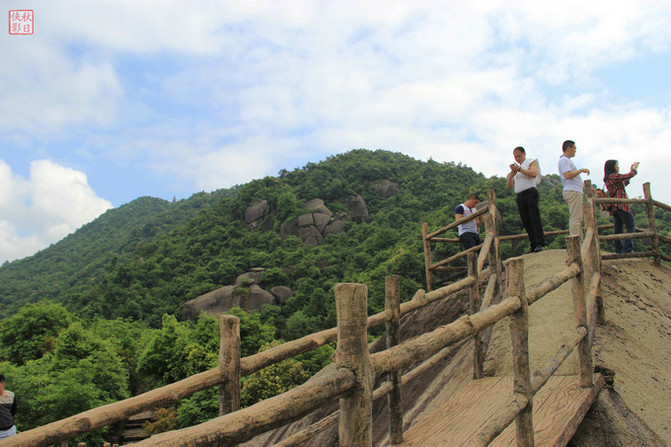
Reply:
x=539, y=249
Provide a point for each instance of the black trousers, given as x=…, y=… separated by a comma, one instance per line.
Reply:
x=527, y=205
x=469, y=240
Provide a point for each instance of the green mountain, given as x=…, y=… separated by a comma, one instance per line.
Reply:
x=71, y=265
x=149, y=257
x=94, y=318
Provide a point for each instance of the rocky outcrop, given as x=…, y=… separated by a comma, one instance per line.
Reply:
x=387, y=188
x=216, y=302
x=318, y=222
x=247, y=294
x=317, y=206
x=258, y=298
x=357, y=206
x=254, y=276
x=256, y=214
x=282, y=294
x=288, y=228
x=312, y=227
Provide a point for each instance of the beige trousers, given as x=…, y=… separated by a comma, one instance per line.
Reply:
x=574, y=200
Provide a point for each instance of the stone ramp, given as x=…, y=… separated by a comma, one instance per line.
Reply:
x=559, y=407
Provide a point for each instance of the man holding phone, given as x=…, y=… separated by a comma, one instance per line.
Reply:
x=524, y=176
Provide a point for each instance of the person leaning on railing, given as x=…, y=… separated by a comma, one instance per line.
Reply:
x=621, y=212
x=469, y=232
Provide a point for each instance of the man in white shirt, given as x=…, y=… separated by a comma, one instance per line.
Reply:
x=573, y=188
x=524, y=176
x=469, y=232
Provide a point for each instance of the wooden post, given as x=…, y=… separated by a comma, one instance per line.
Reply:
x=650, y=208
x=476, y=301
x=519, y=334
x=595, y=248
x=355, y=426
x=589, y=210
x=427, y=256
x=578, y=293
x=392, y=302
x=495, y=260
x=587, y=188
x=229, y=364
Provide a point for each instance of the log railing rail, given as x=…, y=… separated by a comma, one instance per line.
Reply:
x=652, y=233
x=350, y=378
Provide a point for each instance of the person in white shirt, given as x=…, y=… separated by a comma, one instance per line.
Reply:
x=469, y=232
x=573, y=188
x=524, y=176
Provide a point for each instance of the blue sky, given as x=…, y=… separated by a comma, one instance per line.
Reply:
x=112, y=100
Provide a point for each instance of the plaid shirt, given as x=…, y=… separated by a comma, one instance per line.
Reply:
x=615, y=185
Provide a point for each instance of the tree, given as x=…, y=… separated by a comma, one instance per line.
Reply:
x=198, y=408
x=79, y=349
x=163, y=359
x=253, y=332
x=81, y=373
x=272, y=380
x=33, y=331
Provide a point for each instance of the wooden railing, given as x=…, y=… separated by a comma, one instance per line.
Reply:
x=652, y=232
x=493, y=239
x=354, y=370
x=231, y=368
x=350, y=378
x=352, y=375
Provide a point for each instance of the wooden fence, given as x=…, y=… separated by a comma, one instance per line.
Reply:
x=652, y=233
x=492, y=237
x=350, y=378
x=58, y=431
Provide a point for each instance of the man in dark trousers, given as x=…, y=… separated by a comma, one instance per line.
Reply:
x=524, y=176
x=7, y=410
x=469, y=234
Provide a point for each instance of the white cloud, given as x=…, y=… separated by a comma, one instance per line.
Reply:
x=211, y=94
x=45, y=92
x=53, y=202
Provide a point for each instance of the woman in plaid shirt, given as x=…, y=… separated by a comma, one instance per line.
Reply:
x=621, y=212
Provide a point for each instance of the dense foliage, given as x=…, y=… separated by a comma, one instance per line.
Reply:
x=74, y=263
x=95, y=317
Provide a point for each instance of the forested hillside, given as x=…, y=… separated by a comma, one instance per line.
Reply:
x=69, y=266
x=99, y=311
